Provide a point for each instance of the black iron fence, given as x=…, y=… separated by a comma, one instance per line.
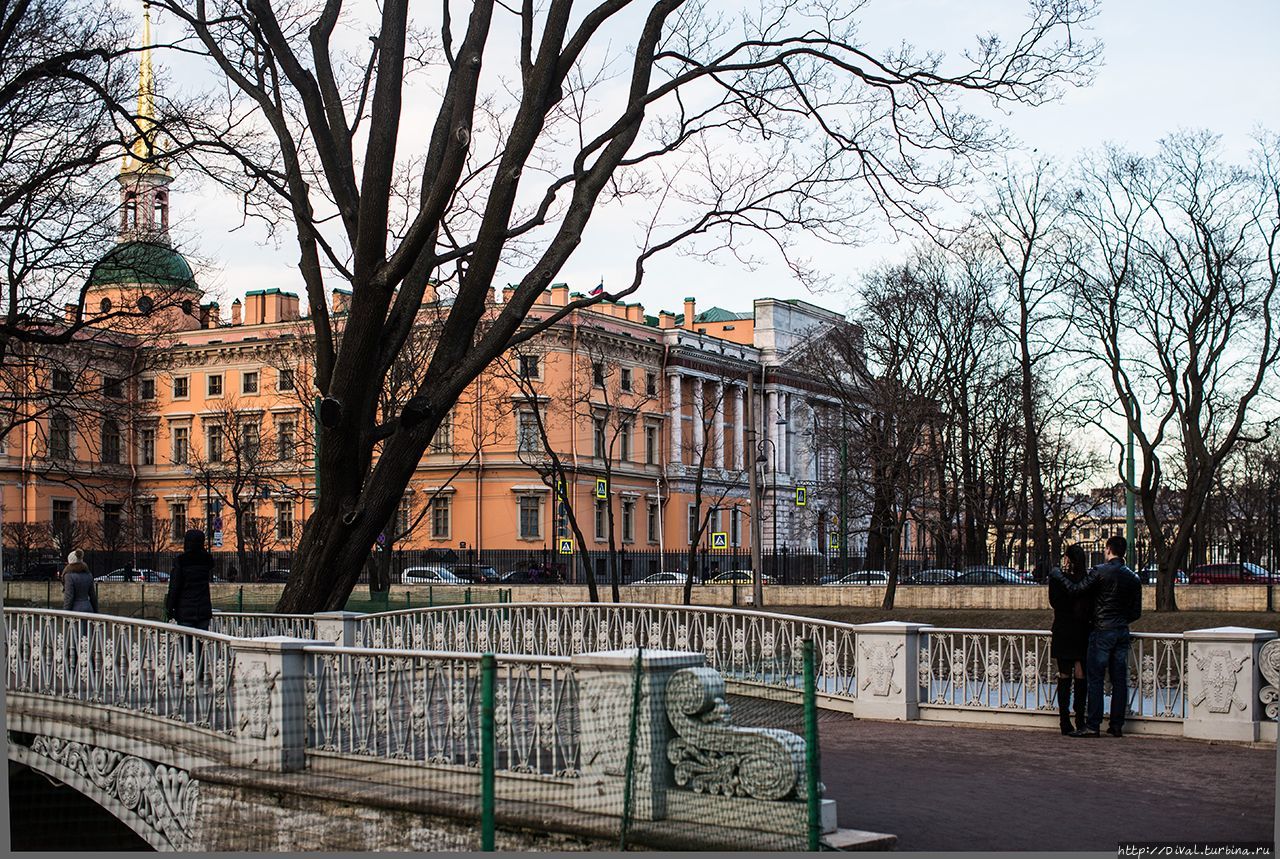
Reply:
x=545, y=565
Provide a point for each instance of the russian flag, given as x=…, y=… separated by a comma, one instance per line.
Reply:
x=599, y=289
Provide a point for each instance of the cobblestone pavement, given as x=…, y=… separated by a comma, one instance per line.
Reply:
x=944, y=787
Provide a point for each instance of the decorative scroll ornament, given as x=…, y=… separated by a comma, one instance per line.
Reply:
x=712, y=755
x=254, y=701
x=1219, y=671
x=880, y=664
x=165, y=798
x=1269, y=663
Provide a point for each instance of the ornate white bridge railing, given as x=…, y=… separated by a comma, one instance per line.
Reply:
x=1012, y=670
x=424, y=706
x=245, y=624
x=137, y=665
x=748, y=647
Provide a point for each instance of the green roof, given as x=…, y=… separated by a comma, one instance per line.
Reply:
x=140, y=263
x=715, y=314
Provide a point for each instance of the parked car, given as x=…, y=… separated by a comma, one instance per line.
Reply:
x=275, y=577
x=535, y=575
x=932, y=576
x=476, y=574
x=40, y=571
x=662, y=579
x=738, y=577
x=863, y=577
x=986, y=574
x=429, y=576
x=123, y=575
x=1229, y=574
x=1148, y=575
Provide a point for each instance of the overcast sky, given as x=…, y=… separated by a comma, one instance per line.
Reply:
x=1168, y=65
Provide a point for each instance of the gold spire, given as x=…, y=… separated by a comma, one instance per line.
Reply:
x=143, y=149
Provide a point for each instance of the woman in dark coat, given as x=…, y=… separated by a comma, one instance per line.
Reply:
x=78, y=590
x=188, y=602
x=1072, y=616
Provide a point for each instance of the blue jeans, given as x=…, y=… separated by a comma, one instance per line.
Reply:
x=1108, y=651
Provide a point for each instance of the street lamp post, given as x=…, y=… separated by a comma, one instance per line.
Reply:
x=761, y=459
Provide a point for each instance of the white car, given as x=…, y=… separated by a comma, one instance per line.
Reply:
x=863, y=577
x=662, y=579
x=429, y=576
x=133, y=576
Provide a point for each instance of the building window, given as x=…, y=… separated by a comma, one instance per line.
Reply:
x=440, y=516
x=403, y=509
x=651, y=384
x=61, y=380
x=650, y=445
x=178, y=521
x=214, y=384
x=111, y=523
x=624, y=441
x=181, y=441
x=602, y=521
x=529, y=367
x=59, y=437
x=693, y=522
x=249, y=524
x=284, y=520
x=249, y=382
x=530, y=517
x=213, y=436
x=284, y=439
x=147, y=389
x=113, y=388
x=527, y=433
x=61, y=517
x=284, y=380
x=250, y=439
x=110, y=442
x=146, y=522
x=181, y=387
x=625, y=379
x=147, y=446
x=653, y=521
x=597, y=435
x=628, y=520
x=442, y=441
x=597, y=374
x=735, y=526
x=713, y=521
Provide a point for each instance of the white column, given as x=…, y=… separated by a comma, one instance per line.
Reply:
x=770, y=427
x=717, y=458
x=677, y=421
x=739, y=427
x=699, y=435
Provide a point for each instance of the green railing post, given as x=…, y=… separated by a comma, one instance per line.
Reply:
x=466, y=597
x=431, y=597
x=142, y=609
x=240, y=598
x=811, y=748
x=631, y=752
x=488, y=672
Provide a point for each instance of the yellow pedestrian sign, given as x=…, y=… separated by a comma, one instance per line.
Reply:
x=802, y=496
x=833, y=540
x=602, y=489
x=566, y=545
x=719, y=539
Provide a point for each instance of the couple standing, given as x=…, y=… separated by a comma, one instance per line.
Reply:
x=1092, y=610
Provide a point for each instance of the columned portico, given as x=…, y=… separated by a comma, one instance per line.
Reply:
x=699, y=428
x=717, y=443
x=677, y=419
x=739, y=429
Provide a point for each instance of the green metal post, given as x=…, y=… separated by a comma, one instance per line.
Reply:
x=1130, y=505
x=488, y=672
x=811, y=748
x=240, y=598
x=407, y=597
x=629, y=775
x=466, y=596
x=431, y=597
x=844, y=504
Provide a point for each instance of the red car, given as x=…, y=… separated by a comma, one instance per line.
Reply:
x=1229, y=574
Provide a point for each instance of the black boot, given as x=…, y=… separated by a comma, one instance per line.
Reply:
x=1082, y=687
x=1064, y=704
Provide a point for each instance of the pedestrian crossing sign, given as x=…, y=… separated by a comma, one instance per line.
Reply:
x=566, y=545
x=833, y=540
x=602, y=489
x=720, y=539
x=802, y=496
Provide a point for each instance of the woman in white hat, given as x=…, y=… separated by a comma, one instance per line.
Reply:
x=78, y=590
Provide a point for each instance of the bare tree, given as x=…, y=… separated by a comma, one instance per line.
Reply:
x=709, y=490
x=1177, y=273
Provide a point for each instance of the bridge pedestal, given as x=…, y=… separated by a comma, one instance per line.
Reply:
x=270, y=695
x=888, y=656
x=337, y=627
x=1223, y=683
x=606, y=682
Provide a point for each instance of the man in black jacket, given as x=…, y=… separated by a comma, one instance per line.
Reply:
x=1117, y=602
x=188, y=601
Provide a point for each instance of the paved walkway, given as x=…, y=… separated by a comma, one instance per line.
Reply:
x=943, y=787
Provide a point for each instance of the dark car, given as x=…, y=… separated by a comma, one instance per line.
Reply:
x=935, y=576
x=1229, y=574
x=476, y=574
x=40, y=571
x=275, y=577
x=989, y=575
x=533, y=575
x=127, y=575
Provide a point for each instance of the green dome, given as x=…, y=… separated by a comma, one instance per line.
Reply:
x=138, y=263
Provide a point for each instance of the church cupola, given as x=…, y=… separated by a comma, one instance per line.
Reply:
x=144, y=178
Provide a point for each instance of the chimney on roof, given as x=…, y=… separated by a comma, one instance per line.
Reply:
x=235, y=312
x=341, y=302
x=689, y=313
x=70, y=311
x=666, y=319
x=507, y=292
x=559, y=294
x=430, y=295
x=635, y=312
x=214, y=315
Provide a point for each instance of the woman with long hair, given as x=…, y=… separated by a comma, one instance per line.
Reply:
x=1072, y=617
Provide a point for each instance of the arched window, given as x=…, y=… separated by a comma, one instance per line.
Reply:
x=188, y=308
x=104, y=306
x=161, y=221
x=145, y=303
x=110, y=442
x=130, y=210
x=59, y=436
